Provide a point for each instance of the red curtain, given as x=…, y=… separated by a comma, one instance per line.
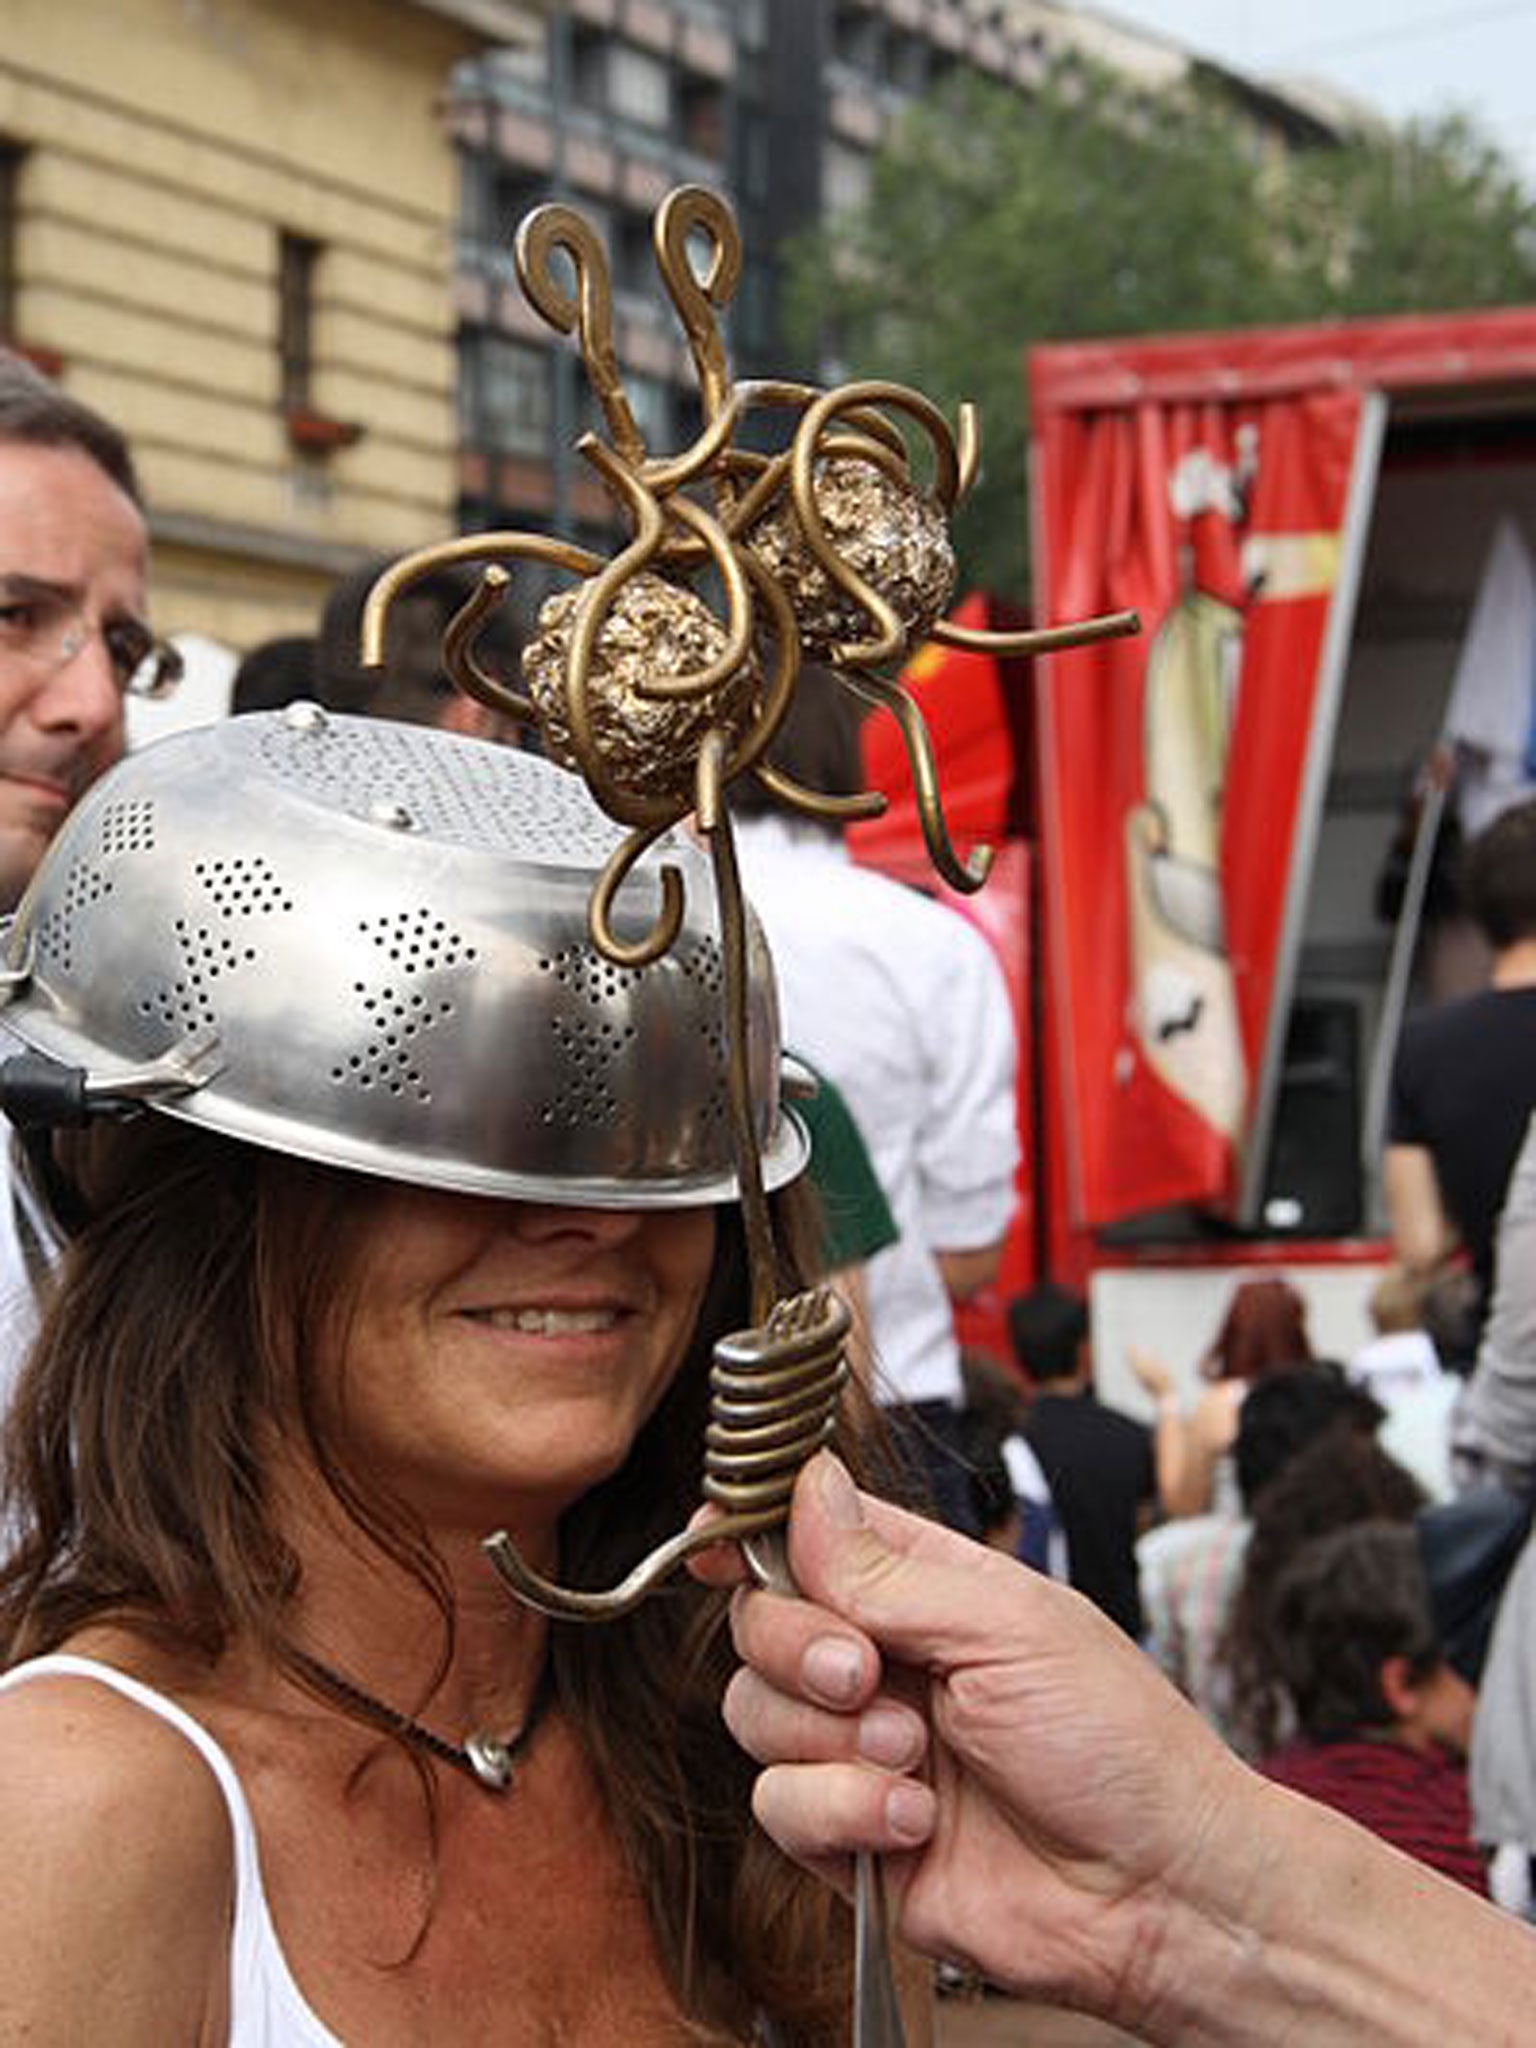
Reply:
x=1171, y=767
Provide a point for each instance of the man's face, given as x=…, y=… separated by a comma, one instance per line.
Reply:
x=73, y=552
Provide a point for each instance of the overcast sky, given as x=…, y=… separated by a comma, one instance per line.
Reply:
x=1405, y=56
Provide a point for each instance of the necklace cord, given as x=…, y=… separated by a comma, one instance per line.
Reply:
x=488, y=1760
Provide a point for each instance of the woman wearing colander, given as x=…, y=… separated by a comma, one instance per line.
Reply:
x=395, y=1215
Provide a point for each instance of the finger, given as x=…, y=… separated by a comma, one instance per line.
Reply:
x=800, y=1648
x=818, y=1813
x=921, y=1591
x=825, y=1480
x=775, y=1728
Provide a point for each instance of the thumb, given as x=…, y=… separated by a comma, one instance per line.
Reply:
x=923, y=1592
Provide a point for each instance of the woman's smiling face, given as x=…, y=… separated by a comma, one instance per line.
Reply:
x=504, y=1352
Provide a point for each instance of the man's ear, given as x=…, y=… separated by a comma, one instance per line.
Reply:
x=1399, y=1688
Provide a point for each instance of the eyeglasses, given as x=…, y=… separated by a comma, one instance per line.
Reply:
x=42, y=630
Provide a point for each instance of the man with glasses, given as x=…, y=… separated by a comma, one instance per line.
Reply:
x=74, y=639
x=74, y=642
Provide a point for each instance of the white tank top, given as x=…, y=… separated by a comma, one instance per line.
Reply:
x=266, y=2009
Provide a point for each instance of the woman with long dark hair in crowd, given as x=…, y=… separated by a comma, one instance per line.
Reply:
x=429, y=1232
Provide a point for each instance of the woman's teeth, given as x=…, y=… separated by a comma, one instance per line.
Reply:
x=547, y=1322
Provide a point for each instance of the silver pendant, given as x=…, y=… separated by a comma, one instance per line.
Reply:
x=490, y=1760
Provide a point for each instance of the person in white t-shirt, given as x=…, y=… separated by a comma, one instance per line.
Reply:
x=901, y=1001
x=1400, y=1367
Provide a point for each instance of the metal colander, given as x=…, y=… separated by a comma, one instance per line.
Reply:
x=377, y=935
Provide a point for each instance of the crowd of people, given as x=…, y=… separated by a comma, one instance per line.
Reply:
x=1318, y=1587
x=1171, y=1722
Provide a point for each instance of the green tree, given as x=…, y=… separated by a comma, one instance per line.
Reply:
x=1095, y=209
x=1429, y=218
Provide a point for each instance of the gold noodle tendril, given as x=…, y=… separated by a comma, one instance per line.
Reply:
x=660, y=696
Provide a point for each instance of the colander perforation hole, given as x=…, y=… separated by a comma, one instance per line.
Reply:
x=703, y=964
x=496, y=798
x=127, y=827
x=393, y=1018
x=208, y=953
x=182, y=1005
x=717, y=1107
x=84, y=885
x=587, y=1098
x=53, y=935
x=206, y=957
x=418, y=941
x=242, y=887
x=588, y=975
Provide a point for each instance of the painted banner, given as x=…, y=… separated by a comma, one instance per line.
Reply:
x=1171, y=765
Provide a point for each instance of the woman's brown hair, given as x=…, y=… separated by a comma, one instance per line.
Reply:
x=1342, y=1478
x=203, y=1280
x=1264, y=1330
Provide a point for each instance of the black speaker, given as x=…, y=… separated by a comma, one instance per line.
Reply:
x=1314, y=1187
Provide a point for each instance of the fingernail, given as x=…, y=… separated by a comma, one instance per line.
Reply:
x=832, y=1670
x=890, y=1737
x=839, y=1495
x=909, y=1811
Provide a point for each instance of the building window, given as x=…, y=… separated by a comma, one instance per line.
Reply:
x=633, y=254
x=12, y=156
x=475, y=171
x=653, y=405
x=909, y=64
x=752, y=152
x=298, y=258
x=619, y=82
x=310, y=430
x=520, y=69
x=857, y=37
x=494, y=198
x=651, y=402
x=701, y=110
x=589, y=69
x=514, y=195
x=846, y=176
x=639, y=88
x=505, y=396
x=752, y=314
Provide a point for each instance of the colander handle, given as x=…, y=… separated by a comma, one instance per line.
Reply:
x=40, y=1093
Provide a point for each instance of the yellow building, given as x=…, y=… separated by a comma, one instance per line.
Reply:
x=230, y=226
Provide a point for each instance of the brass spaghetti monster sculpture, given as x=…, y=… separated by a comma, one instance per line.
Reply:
x=832, y=549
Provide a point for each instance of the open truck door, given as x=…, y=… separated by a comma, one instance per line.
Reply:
x=1231, y=488
x=1181, y=774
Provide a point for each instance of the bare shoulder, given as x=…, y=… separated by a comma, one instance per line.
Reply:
x=114, y=1923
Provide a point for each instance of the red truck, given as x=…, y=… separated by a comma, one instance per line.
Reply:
x=1196, y=826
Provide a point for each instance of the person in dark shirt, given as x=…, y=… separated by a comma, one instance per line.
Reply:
x=1097, y=1462
x=1464, y=1081
x=1383, y=1720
